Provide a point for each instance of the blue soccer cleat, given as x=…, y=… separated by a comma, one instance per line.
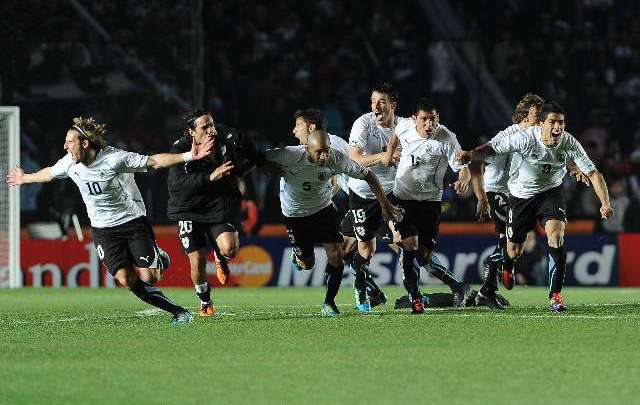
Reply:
x=363, y=305
x=182, y=318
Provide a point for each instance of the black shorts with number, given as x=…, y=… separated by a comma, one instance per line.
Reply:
x=306, y=232
x=365, y=221
x=199, y=235
x=499, y=205
x=123, y=245
x=525, y=212
x=421, y=219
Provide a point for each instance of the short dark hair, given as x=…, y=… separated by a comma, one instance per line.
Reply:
x=189, y=118
x=312, y=116
x=387, y=88
x=522, y=108
x=548, y=108
x=425, y=104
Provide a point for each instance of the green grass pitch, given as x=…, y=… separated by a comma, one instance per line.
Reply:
x=270, y=345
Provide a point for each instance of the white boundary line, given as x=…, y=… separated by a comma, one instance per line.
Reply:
x=455, y=312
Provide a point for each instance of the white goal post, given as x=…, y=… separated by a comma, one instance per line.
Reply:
x=10, y=274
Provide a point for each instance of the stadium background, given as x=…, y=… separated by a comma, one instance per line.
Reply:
x=138, y=65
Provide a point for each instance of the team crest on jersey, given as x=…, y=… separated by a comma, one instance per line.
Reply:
x=322, y=176
x=561, y=157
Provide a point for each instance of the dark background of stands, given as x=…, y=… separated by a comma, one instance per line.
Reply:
x=261, y=61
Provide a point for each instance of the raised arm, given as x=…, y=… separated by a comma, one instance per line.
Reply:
x=390, y=158
x=600, y=188
x=357, y=155
x=164, y=160
x=17, y=176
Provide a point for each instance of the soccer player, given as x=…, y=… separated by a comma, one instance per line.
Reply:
x=305, y=199
x=538, y=166
x=204, y=198
x=368, y=142
x=121, y=233
x=306, y=121
x=428, y=147
x=492, y=176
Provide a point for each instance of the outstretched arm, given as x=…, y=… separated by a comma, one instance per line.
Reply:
x=164, y=160
x=600, y=188
x=477, y=155
x=17, y=176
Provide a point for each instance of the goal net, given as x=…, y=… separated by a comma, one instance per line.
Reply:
x=10, y=274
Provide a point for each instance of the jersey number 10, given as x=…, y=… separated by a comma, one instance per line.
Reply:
x=94, y=188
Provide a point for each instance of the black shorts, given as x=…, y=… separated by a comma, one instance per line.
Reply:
x=499, y=204
x=525, y=212
x=365, y=221
x=340, y=202
x=421, y=219
x=198, y=235
x=123, y=245
x=306, y=232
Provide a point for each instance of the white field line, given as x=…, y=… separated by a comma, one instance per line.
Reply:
x=457, y=312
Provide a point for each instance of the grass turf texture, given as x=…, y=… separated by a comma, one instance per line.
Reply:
x=271, y=346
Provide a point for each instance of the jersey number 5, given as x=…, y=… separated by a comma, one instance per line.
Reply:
x=306, y=186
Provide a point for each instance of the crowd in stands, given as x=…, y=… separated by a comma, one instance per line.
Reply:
x=263, y=61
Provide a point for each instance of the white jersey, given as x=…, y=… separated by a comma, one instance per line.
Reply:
x=371, y=139
x=496, y=169
x=340, y=144
x=107, y=185
x=423, y=162
x=305, y=187
x=536, y=168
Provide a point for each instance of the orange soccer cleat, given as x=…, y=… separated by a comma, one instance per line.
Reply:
x=222, y=269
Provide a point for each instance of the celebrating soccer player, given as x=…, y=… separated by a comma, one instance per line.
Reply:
x=538, y=167
x=305, y=198
x=205, y=200
x=121, y=233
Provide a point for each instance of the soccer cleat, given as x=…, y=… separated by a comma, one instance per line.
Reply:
x=490, y=301
x=460, y=294
x=502, y=300
x=164, y=259
x=182, y=318
x=377, y=298
x=507, y=277
x=222, y=269
x=363, y=305
x=207, y=309
x=557, y=303
x=417, y=306
x=330, y=310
